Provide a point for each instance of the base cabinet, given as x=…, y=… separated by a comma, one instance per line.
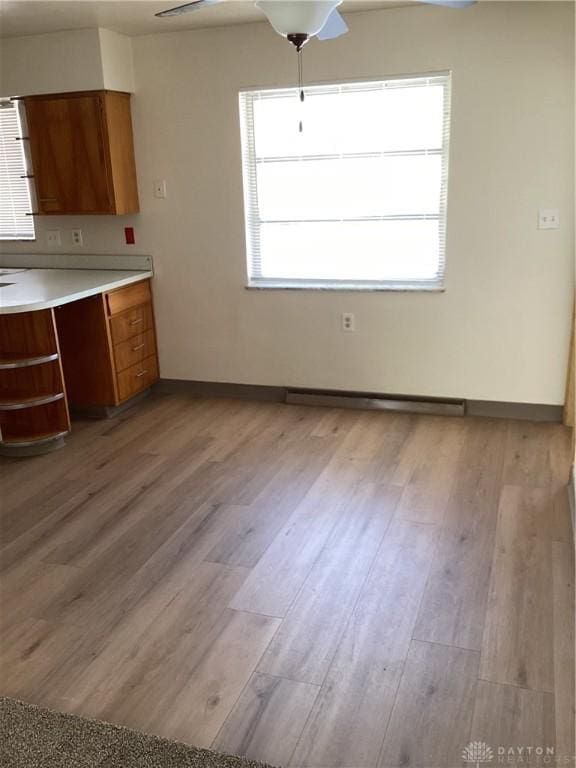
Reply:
x=97, y=352
x=108, y=345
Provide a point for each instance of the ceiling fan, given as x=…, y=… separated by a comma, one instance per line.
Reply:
x=299, y=20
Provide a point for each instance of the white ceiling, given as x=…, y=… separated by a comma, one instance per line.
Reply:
x=134, y=17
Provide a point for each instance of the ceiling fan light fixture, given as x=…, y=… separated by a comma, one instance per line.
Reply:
x=297, y=17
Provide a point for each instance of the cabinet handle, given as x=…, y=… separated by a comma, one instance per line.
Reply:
x=140, y=346
x=135, y=322
x=48, y=199
x=142, y=373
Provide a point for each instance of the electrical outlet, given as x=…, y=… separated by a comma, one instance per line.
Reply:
x=348, y=322
x=53, y=237
x=160, y=188
x=77, y=238
x=548, y=218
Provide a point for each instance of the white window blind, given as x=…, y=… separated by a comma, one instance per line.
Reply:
x=358, y=198
x=15, y=203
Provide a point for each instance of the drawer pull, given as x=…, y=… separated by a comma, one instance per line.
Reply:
x=142, y=373
x=135, y=322
x=140, y=346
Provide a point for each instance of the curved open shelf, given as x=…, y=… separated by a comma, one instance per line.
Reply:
x=26, y=362
x=33, y=411
x=32, y=444
x=32, y=440
x=32, y=401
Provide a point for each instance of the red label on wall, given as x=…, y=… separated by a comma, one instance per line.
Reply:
x=129, y=235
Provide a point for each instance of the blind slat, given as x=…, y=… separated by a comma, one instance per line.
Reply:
x=15, y=204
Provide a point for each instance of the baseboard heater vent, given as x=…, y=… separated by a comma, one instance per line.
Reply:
x=435, y=407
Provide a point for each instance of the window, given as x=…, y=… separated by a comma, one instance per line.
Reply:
x=357, y=199
x=15, y=203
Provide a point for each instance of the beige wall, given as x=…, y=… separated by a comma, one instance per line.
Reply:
x=76, y=60
x=499, y=332
x=45, y=63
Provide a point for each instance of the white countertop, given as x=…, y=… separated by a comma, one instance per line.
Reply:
x=33, y=289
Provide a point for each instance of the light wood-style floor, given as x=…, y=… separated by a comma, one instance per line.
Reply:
x=308, y=587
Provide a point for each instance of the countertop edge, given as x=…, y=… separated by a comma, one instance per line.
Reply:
x=67, y=299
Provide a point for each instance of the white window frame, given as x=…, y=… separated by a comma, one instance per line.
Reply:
x=255, y=279
x=15, y=192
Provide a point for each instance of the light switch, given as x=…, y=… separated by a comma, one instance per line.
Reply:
x=160, y=188
x=548, y=218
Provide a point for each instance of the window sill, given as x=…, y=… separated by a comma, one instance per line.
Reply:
x=345, y=287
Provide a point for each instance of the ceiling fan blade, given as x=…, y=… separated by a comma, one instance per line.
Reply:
x=450, y=3
x=333, y=28
x=196, y=5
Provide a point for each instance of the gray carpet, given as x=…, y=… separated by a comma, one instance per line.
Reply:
x=33, y=737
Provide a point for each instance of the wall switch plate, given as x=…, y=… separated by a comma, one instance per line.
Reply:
x=548, y=218
x=53, y=237
x=160, y=188
x=77, y=238
x=348, y=322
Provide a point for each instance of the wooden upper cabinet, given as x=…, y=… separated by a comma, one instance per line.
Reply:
x=82, y=152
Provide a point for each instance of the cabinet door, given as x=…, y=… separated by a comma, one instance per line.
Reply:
x=67, y=143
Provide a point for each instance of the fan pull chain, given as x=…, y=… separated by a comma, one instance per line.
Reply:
x=300, y=85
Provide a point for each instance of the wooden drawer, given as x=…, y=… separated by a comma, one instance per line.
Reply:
x=131, y=323
x=130, y=296
x=134, y=350
x=137, y=377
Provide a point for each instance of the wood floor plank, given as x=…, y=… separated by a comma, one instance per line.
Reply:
x=304, y=645
x=24, y=591
x=144, y=554
x=334, y=423
x=528, y=458
x=349, y=718
x=561, y=522
x=172, y=436
x=171, y=625
x=560, y=456
x=278, y=577
x=30, y=657
x=400, y=429
x=96, y=518
x=510, y=718
x=126, y=434
x=367, y=436
x=267, y=720
x=564, y=645
x=517, y=645
x=253, y=527
x=428, y=488
x=454, y=604
x=214, y=682
x=438, y=687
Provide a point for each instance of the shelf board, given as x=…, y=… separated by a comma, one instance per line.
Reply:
x=26, y=362
x=17, y=403
x=27, y=441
